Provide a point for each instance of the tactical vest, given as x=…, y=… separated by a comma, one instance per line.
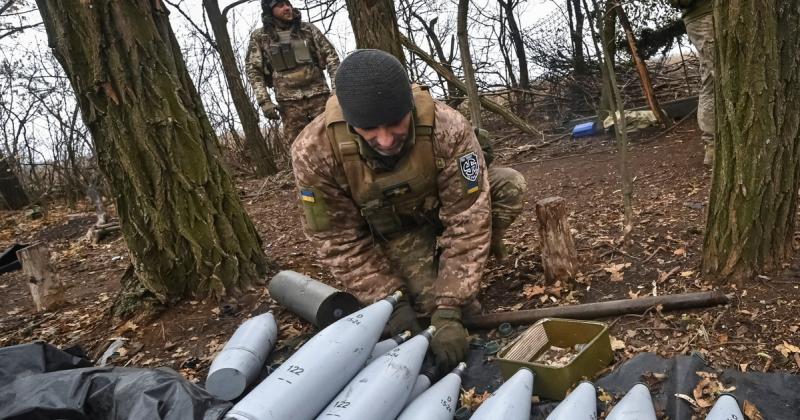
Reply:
x=289, y=52
x=403, y=198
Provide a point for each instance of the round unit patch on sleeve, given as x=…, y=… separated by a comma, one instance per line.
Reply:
x=470, y=171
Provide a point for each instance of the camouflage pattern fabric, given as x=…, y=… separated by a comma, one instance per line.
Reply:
x=438, y=266
x=508, y=189
x=301, y=82
x=413, y=254
x=701, y=34
x=297, y=114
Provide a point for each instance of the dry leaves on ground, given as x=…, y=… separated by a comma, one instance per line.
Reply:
x=615, y=270
x=472, y=399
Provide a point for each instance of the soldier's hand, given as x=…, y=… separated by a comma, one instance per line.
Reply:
x=270, y=111
x=449, y=342
x=403, y=319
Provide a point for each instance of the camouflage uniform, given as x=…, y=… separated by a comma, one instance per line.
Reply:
x=698, y=17
x=439, y=263
x=300, y=91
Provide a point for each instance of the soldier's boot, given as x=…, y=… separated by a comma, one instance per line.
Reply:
x=497, y=248
x=708, y=158
x=708, y=144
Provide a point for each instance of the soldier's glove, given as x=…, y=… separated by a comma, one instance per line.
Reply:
x=449, y=342
x=270, y=111
x=403, y=319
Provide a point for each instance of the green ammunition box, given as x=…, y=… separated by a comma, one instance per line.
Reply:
x=588, y=340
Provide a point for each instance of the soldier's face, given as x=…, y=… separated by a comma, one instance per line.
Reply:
x=387, y=140
x=283, y=11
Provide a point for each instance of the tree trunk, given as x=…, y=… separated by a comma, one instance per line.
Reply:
x=10, y=188
x=519, y=45
x=46, y=288
x=501, y=43
x=608, y=36
x=576, y=35
x=617, y=110
x=256, y=145
x=559, y=256
x=466, y=63
x=181, y=218
x=753, y=201
x=375, y=25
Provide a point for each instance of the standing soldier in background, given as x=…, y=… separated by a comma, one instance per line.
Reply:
x=289, y=56
x=698, y=17
x=396, y=194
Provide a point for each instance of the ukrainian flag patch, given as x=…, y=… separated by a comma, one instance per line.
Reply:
x=307, y=195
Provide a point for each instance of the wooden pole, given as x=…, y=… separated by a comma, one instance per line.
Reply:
x=641, y=67
x=600, y=309
x=559, y=257
x=46, y=288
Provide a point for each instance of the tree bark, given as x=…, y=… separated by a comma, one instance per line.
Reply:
x=11, y=190
x=46, y=288
x=559, y=256
x=753, y=201
x=181, y=218
x=260, y=156
x=466, y=64
x=487, y=103
x=375, y=26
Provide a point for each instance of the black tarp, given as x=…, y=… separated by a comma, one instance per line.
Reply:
x=776, y=395
x=39, y=381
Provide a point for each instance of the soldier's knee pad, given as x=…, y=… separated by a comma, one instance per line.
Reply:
x=510, y=181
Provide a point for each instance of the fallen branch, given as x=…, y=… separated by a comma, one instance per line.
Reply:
x=487, y=103
x=600, y=309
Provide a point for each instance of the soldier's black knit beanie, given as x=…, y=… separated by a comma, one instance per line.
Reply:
x=373, y=89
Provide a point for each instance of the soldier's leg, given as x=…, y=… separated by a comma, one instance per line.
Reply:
x=315, y=106
x=293, y=118
x=299, y=113
x=508, y=189
x=701, y=34
x=413, y=257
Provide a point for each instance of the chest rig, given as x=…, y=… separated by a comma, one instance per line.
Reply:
x=288, y=52
x=395, y=200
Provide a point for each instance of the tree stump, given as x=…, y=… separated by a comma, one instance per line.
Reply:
x=46, y=288
x=559, y=257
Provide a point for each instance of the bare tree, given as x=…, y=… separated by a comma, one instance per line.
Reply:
x=13, y=17
x=516, y=39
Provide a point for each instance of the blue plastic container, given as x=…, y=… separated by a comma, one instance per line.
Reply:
x=585, y=129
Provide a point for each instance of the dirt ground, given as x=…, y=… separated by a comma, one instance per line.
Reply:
x=757, y=331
